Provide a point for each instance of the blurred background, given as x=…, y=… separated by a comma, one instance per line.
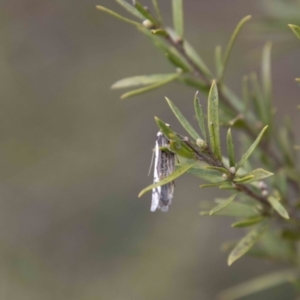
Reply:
x=73, y=156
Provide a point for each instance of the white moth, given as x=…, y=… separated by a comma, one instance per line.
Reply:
x=163, y=166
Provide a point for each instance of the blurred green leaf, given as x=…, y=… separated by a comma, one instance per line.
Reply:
x=218, y=61
x=150, y=87
x=227, y=185
x=178, y=172
x=260, y=103
x=284, y=138
x=245, y=90
x=143, y=80
x=207, y=185
x=160, y=32
x=222, y=205
x=230, y=149
x=290, y=235
x=255, y=175
x=177, y=60
x=209, y=175
x=247, y=242
x=258, y=284
x=112, y=13
x=195, y=83
x=237, y=209
x=183, y=121
x=247, y=222
x=130, y=9
x=181, y=149
x=157, y=10
x=178, y=16
x=267, y=80
x=145, y=12
x=200, y=116
x=213, y=120
x=278, y=207
x=231, y=43
x=296, y=30
x=195, y=57
x=218, y=169
x=248, y=153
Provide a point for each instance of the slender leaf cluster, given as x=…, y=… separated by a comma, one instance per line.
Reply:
x=264, y=203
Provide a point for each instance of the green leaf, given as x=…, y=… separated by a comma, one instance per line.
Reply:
x=266, y=79
x=143, y=80
x=178, y=172
x=195, y=83
x=112, y=13
x=278, y=207
x=296, y=30
x=200, y=116
x=230, y=149
x=258, y=284
x=176, y=60
x=255, y=175
x=247, y=222
x=219, y=169
x=181, y=149
x=209, y=175
x=248, y=153
x=130, y=9
x=245, y=90
x=195, y=57
x=178, y=16
x=149, y=87
x=207, y=185
x=227, y=185
x=247, y=242
x=183, y=121
x=218, y=61
x=213, y=120
x=160, y=32
x=145, y=12
x=222, y=205
x=157, y=10
x=230, y=44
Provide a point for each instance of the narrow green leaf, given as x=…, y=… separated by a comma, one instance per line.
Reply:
x=255, y=175
x=278, y=207
x=245, y=179
x=130, y=9
x=166, y=130
x=258, y=284
x=178, y=16
x=183, y=121
x=207, y=185
x=230, y=149
x=245, y=90
x=231, y=43
x=178, y=172
x=260, y=103
x=213, y=120
x=181, y=149
x=195, y=83
x=209, y=175
x=149, y=87
x=247, y=222
x=296, y=30
x=266, y=79
x=157, y=10
x=143, y=80
x=219, y=169
x=145, y=12
x=112, y=13
x=227, y=185
x=199, y=115
x=218, y=61
x=222, y=205
x=160, y=32
x=248, y=153
x=177, y=60
x=247, y=242
x=239, y=210
x=196, y=58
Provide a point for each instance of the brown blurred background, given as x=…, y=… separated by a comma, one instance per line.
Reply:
x=73, y=157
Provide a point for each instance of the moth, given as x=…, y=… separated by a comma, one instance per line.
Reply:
x=164, y=165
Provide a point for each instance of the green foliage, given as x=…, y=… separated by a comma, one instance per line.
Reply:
x=255, y=200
